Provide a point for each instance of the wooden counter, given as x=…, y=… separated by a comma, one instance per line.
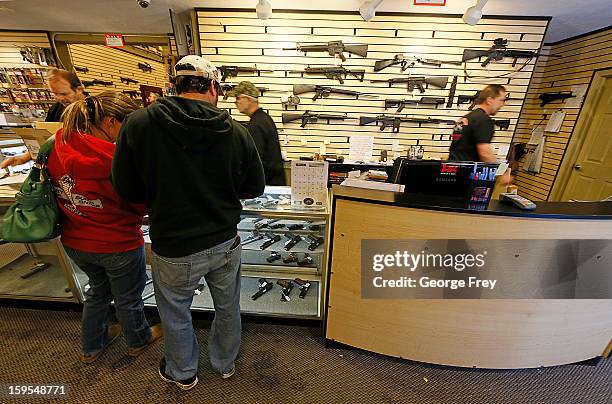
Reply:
x=491, y=333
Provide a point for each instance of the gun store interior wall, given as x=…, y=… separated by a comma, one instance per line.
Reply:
x=23, y=70
x=573, y=67
x=239, y=38
x=126, y=73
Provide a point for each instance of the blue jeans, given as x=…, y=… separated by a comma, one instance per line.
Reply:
x=175, y=280
x=119, y=276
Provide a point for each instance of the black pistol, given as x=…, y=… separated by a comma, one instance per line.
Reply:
x=272, y=238
x=287, y=287
x=315, y=242
x=293, y=240
x=274, y=256
x=264, y=287
x=304, y=286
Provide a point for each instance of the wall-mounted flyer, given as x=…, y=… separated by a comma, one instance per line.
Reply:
x=309, y=184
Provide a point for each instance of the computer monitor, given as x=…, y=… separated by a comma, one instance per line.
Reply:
x=470, y=181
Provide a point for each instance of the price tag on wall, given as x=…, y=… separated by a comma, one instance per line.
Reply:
x=309, y=184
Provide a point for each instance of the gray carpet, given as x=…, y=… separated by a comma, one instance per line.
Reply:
x=278, y=364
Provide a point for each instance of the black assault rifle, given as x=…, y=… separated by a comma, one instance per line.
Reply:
x=334, y=48
x=308, y=117
x=497, y=52
x=394, y=121
x=325, y=91
x=81, y=69
x=145, y=67
x=409, y=61
x=134, y=94
x=95, y=82
x=232, y=71
x=400, y=104
x=333, y=72
x=128, y=80
x=416, y=82
x=547, y=98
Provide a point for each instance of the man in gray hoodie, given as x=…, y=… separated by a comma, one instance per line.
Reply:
x=191, y=164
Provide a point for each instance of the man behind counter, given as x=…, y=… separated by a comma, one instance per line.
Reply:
x=471, y=139
x=66, y=89
x=262, y=129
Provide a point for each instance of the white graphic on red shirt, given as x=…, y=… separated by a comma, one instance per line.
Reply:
x=64, y=191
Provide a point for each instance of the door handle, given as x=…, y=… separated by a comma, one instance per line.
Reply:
x=577, y=167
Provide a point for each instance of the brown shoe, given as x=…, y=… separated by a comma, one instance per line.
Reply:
x=156, y=333
x=113, y=332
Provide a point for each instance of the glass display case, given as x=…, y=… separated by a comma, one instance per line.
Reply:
x=283, y=259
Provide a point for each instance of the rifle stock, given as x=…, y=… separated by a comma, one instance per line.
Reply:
x=285, y=118
x=439, y=82
x=469, y=54
x=303, y=88
x=383, y=64
x=360, y=50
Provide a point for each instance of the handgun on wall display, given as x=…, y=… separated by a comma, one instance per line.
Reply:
x=145, y=67
x=271, y=239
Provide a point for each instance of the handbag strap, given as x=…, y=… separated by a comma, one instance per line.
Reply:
x=45, y=151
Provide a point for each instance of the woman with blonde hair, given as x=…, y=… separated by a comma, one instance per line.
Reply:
x=100, y=231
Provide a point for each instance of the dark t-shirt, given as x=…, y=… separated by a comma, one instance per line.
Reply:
x=55, y=112
x=479, y=129
x=263, y=130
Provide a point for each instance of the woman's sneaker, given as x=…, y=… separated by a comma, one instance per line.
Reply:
x=186, y=384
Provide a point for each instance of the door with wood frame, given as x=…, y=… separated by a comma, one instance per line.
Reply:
x=591, y=176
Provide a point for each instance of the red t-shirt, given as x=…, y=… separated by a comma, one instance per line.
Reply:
x=95, y=219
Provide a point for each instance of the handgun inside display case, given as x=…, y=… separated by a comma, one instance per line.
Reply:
x=283, y=256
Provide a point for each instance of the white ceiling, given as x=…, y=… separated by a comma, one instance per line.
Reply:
x=570, y=18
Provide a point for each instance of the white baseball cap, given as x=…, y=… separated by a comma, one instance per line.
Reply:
x=193, y=65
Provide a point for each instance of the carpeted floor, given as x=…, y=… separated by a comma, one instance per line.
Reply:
x=278, y=364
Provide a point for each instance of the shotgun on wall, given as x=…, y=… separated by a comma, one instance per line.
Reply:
x=334, y=48
x=406, y=62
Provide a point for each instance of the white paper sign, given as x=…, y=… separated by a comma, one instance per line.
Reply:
x=579, y=91
x=33, y=147
x=555, y=121
x=361, y=148
x=309, y=184
x=536, y=136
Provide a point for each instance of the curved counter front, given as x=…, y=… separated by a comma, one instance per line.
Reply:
x=481, y=331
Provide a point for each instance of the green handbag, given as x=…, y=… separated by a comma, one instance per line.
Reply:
x=34, y=216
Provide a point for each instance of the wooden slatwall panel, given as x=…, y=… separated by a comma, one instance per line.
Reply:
x=110, y=64
x=576, y=65
x=12, y=41
x=239, y=38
